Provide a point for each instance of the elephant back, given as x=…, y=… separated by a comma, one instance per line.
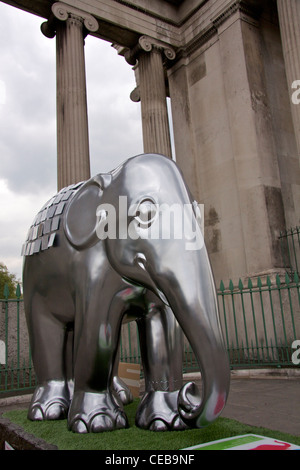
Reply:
x=42, y=234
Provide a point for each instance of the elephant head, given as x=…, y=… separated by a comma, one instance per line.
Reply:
x=145, y=216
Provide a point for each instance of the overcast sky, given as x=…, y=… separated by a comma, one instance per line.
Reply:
x=28, y=121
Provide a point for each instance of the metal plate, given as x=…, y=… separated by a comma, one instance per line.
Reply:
x=43, y=231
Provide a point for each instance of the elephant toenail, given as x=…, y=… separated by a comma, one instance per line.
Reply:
x=124, y=397
x=121, y=421
x=178, y=424
x=36, y=414
x=79, y=427
x=56, y=411
x=101, y=423
x=158, y=425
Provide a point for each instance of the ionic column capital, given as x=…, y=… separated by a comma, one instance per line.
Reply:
x=62, y=12
x=147, y=44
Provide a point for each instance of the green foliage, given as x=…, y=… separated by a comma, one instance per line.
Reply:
x=9, y=287
x=133, y=438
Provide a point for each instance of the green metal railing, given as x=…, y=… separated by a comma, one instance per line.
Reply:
x=260, y=320
x=129, y=344
x=16, y=369
x=290, y=249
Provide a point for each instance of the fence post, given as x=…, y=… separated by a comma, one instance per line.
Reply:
x=269, y=288
x=290, y=249
x=221, y=293
x=241, y=288
x=250, y=288
x=260, y=289
x=6, y=295
x=18, y=295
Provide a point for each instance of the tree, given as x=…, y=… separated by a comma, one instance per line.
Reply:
x=6, y=278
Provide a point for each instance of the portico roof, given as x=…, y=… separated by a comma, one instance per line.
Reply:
x=123, y=21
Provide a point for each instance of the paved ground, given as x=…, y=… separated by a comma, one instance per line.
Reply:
x=14, y=403
x=270, y=403
x=266, y=401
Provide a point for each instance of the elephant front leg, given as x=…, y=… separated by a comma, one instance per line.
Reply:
x=161, y=341
x=95, y=408
x=95, y=411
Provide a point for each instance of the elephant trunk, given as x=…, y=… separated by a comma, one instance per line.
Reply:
x=200, y=410
x=192, y=297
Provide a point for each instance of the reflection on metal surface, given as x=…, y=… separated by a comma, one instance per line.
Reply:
x=78, y=289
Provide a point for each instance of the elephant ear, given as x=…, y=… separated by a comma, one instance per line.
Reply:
x=80, y=220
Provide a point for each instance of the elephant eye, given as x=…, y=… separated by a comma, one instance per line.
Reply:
x=146, y=212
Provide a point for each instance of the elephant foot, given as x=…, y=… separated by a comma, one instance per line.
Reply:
x=158, y=411
x=96, y=412
x=122, y=390
x=50, y=401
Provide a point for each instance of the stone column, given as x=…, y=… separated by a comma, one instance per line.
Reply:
x=242, y=182
x=289, y=19
x=70, y=26
x=152, y=90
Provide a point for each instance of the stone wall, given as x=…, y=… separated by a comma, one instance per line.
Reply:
x=235, y=140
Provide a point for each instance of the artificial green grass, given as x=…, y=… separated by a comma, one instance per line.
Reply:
x=133, y=438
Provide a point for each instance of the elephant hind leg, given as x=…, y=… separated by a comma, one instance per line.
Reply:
x=161, y=343
x=51, y=398
x=158, y=412
x=50, y=401
x=122, y=390
x=118, y=385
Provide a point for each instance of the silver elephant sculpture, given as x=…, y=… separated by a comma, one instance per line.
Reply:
x=105, y=250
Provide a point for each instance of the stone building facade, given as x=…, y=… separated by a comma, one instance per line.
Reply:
x=231, y=69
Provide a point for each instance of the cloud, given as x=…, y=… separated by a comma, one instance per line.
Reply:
x=17, y=212
x=28, y=121
x=114, y=120
x=27, y=131
x=2, y=93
